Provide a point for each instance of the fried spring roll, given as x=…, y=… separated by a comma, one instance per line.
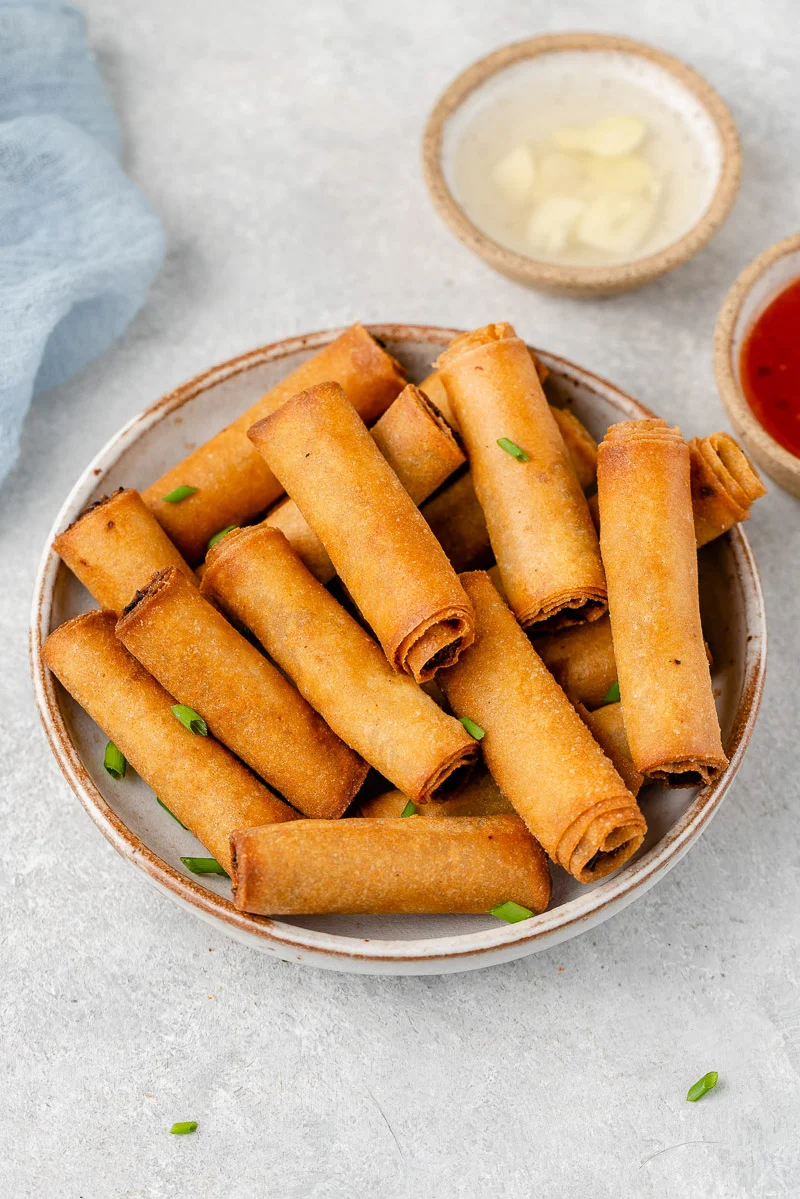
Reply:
x=247, y=703
x=421, y=450
x=607, y=728
x=336, y=665
x=233, y=482
x=481, y=796
x=648, y=540
x=201, y=783
x=724, y=485
x=539, y=525
x=539, y=751
x=114, y=547
x=458, y=523
x=466, y=864
x=582, y=661
x=381, y=547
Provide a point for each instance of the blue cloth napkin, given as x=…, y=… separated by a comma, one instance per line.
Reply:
x=79, y=244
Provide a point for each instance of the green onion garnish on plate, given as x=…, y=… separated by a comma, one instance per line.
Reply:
x=179, y=493
x=190, y=720
x=204, y=866
x=702, y=1086
x=511, y=912
x=513, y=450
x=472, y=728
x=222, y=533
x=182, y=1127
x=114, y=761
x=409, y=810
x=161, y=804
x=612, y=695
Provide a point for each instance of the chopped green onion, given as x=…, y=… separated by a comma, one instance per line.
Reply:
x=182, y=1127
x=222, y=533
x=204, y=866
x=513, y=450
x=190, y=720
x=612, y=695
x=180, y=493
x=511, y=912
x=472, y=728
x=161, y=804
x=702, y=1086
x=409, y=809
x=114, y=761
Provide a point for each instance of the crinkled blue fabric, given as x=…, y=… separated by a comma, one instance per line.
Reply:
x=79, y=244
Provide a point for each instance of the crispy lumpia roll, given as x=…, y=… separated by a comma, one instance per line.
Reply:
x=539, y=525
x=336, y=665
x=458, y=523
x=246, y=702
x=582, y=661
x=201, y=783
x=233, y=482
x=381, y=547
x=466, y=864
x=421, y=450
x=114, y=547
x=607, y=728
x=541, y=754
x=481, y=796
x=724, y=485
x=648, y=540
x=434, y=388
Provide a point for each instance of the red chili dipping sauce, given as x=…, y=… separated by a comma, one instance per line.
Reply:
x=770, y=368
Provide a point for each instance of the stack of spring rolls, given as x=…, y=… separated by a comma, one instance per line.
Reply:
x=366, y=602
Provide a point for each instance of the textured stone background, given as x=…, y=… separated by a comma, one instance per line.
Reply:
x=280, y=143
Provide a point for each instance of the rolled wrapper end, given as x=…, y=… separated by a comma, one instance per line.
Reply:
x=601, y=840
x=473, y=340
x=435, y=644
x=724, y=485
x=564, y=610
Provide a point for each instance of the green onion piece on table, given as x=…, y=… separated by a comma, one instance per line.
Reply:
x=222, y=533
x=612, y=695
x=182, y=1127
x=180, y=493
x=161, y=804
x=204, y=866
x=190, y=720
x=472, y=728
x=513, y=450
x=114, y=761
x=702, y=1086
x=511, y=912
x=409, y=809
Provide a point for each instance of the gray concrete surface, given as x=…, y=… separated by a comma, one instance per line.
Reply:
x=280, y=142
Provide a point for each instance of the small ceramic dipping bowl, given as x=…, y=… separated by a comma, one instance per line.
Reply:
x=752, y=292
x=567, y=56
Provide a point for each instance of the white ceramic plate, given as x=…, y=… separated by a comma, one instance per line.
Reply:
x=126, y=811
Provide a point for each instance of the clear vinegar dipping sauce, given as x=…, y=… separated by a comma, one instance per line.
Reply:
x=578, y=164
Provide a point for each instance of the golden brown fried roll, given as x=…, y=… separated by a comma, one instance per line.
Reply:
x=607, y=728
x=648, y=541
x=580, y=445
x=458, y=523
x=233, y=482
x=381, y=547
x=434, y=388
x=421, y=450
x=539, y=525
x=247, y=703
x=582, y=661
x=335, y=664
x=465, y=864
x=114, y=547
x=481, y=796
x=724, y=485
x=539, y=751
x=201, y=783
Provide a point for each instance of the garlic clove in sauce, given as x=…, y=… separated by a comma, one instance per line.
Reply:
x=552, y=222
x=629, y=173
x=616, y=224
x=514, y=174
x=608, y=139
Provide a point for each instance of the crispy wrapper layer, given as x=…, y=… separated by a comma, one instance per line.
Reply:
x=115, y=546
x=724, y=485
x=465, y=864
x=648, y=541
x=381, y=547
x=421, y=450
x=233, y=481
x=335, y=664
x=458, y=523
x=434, y=388
x=539, y=525
x=607, y=728
x=582, y=661
x=246, y=702
x=201, y=783
x=539, y=751
x=481, y=796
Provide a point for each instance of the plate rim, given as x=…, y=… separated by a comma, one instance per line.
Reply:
x=331, y=949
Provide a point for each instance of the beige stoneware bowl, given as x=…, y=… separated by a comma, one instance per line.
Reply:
x=126, y=812
x=670, y=81
x=752, y=292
